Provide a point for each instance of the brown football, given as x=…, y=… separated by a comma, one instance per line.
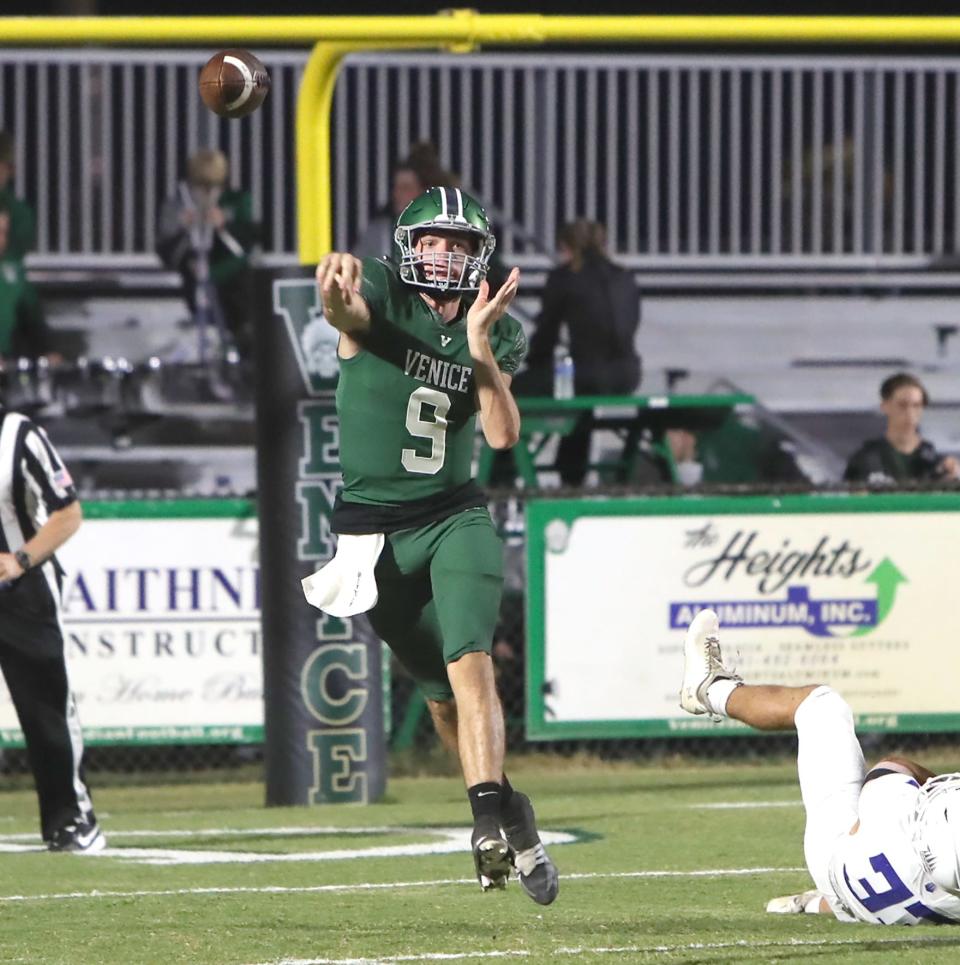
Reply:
x=233, y=83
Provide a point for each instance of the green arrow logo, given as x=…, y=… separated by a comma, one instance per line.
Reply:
x=887, y=577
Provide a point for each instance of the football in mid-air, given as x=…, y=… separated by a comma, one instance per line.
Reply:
x=233, y=83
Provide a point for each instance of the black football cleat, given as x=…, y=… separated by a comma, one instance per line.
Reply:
x=491, y=855
x=537, y=873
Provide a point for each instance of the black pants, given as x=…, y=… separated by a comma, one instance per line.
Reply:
x=48, y=717
x=618, y=377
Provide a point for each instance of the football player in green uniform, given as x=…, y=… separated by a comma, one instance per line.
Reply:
x=424, y=348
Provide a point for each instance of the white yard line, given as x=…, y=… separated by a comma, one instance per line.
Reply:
x=238, y=832
x=432, y=841
x=926, y=941
x=300, y=830
x=32, y=838
x=381, y=886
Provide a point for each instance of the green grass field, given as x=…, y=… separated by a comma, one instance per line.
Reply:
x=652, y=876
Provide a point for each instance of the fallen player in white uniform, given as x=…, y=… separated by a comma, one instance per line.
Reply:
x=882, y=846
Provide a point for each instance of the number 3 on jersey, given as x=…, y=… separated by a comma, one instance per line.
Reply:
x=435, y=430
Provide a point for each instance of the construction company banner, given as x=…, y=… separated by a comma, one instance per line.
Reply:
x=854, y=591
x=161, y=621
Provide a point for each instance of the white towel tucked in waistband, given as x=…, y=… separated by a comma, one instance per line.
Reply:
x=346, y=585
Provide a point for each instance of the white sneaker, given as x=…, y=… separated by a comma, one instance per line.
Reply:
x=702, y=664
x=793, y=904
x=80, y=836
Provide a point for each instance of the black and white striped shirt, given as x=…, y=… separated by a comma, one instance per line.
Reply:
x=33, y=484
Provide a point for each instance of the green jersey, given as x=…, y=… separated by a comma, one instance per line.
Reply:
x=23, y=224
x=406, y=401
x=21, y=318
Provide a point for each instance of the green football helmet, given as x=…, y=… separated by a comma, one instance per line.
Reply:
x=436, y=211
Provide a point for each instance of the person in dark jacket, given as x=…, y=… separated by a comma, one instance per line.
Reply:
x=598, y=303
x=901, y=453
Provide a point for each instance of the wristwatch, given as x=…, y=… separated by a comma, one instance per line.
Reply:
x=23, y=558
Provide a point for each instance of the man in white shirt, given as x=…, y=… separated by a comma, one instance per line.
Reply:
x=39, y=512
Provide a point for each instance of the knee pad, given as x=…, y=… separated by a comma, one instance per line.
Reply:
x=824, y=708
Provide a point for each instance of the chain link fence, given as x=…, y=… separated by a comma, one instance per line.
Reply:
x=414, y=747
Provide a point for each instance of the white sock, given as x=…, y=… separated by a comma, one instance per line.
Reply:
x=811, y=902
x=718, y=693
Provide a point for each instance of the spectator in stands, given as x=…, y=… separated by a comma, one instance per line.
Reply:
x=599, y=305
x=207, y=233
x=421, y=169
x=735, y=451
x=901, y=453
x=23, y=328
x=21, y=233
x=742, y=451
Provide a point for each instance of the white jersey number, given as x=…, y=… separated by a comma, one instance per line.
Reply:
x=435, y=430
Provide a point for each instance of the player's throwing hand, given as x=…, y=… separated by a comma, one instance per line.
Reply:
x=339, y=275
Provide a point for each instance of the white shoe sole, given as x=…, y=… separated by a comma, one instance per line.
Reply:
x=791, y=904
x=696, y=665
x=98, y=843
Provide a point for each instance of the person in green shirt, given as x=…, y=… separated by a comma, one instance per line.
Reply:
x=23, y=226
x=901, y=453
x=426, y=347
x=23, y=328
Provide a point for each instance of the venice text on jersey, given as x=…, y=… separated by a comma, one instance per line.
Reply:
x=443, y=374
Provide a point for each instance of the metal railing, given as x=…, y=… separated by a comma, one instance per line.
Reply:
x=692, y=162
x=103, y=135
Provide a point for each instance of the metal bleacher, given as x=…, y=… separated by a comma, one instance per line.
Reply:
x=793, y=221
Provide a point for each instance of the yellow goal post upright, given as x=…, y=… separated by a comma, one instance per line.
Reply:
x=458, y=30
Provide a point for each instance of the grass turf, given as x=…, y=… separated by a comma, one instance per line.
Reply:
x=650, y=879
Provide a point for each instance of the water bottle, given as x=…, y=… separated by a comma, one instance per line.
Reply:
x=562, y=373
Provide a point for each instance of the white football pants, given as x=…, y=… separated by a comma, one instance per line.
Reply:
x=831, y=770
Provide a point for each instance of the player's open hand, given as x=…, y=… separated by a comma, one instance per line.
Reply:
x=486, y=310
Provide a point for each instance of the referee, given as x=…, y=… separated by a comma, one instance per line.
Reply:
x=39, y=512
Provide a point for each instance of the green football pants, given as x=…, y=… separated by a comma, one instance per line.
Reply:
x=439, y=595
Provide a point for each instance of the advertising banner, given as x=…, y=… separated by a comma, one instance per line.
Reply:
x=853, y=591
x=161, y=619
